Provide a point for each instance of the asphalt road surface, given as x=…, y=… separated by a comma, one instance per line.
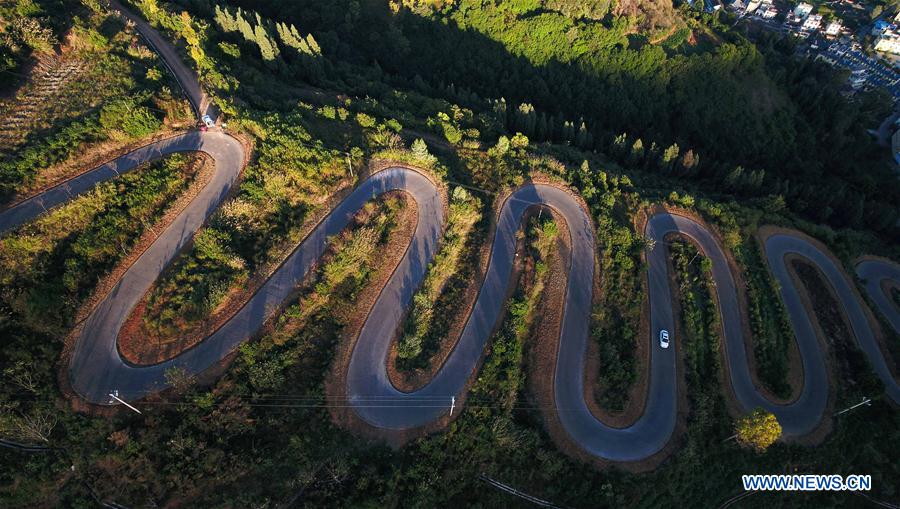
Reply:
x=186, y=77
x=96, y=367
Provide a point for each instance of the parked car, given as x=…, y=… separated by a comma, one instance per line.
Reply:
x=208, y=121
x=664, y=338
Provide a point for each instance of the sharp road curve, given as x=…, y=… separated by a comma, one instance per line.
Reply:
x=97, y=368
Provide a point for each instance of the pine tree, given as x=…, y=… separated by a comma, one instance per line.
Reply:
x=689, y=161
x=568, y=131
x=637, y=152
x=500, y=112
x=669, y=156
x=244, y=27
x=226, y=22
x=527, y=118
x=284, y=36
x=303, y=45
x=313, y=45
x=619, y=144
x=267, y=47
x=581, y=139
x=542, y=131
x=734, y=178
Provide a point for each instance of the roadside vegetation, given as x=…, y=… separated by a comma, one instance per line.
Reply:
x=51, y=265
x=617, y=311
x=769, y=323
x=438, y=301
x=700, y=341
x=289, y=183
x=770, y=326
x=346, y=266
x=91, y=86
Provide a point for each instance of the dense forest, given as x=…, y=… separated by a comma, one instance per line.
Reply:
x=631, y=103
x=757, y=120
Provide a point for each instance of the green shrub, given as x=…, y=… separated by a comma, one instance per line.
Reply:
x=427, y=321
x=126, y=119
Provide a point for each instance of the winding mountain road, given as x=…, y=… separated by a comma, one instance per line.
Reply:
x=97, y=368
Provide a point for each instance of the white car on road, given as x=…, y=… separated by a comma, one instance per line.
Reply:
x=664, y=338
x=208, y=121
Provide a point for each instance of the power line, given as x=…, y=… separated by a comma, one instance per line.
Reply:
x=512, y=491
x=345, y=402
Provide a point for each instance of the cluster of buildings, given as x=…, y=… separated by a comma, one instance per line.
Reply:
x=887, y=37
x=801, y=20
x=763, y=9
x=831, y=41
x=865, y=70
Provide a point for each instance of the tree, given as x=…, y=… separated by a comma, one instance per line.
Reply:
x=31, y=33
x=29, y=427
x=637, y=152
x=268, y=48
x=420, y=150
x=620, y=145
x=758, y=430
x=179, y=379
x=124, y=117
x=313, y=45
x=501, y=148
x=21, y=375
x=583, y=137
x=244, y=27
x=225, y=20
x=519, y=141
x=689, y=160
x=669, y=156
x=876, y=11
x=734, y=178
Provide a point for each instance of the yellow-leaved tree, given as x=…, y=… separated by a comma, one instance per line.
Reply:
x=758, y=430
